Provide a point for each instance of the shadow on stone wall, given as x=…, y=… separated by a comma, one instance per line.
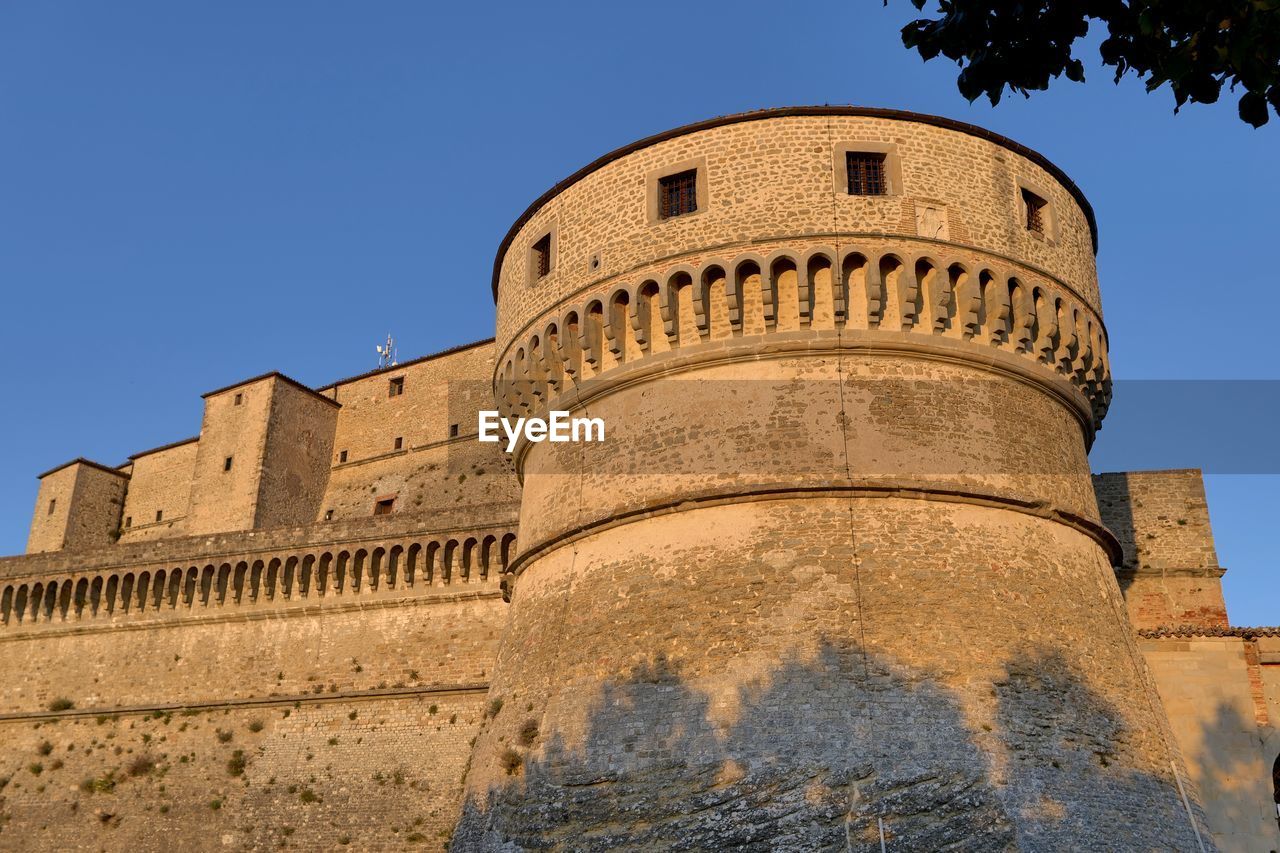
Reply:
x=1237, y=764
x=819, y=752
x=1115, y=506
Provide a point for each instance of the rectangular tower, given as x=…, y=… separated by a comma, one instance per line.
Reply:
x=1170, y=573
x=263, y=457
x=78, y=506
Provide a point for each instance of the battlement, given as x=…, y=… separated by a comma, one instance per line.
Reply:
x=256, y=572
x=903, y=294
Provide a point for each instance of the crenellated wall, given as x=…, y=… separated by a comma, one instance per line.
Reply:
x=902, y=287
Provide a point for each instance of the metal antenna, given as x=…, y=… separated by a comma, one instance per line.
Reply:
x=387, y=353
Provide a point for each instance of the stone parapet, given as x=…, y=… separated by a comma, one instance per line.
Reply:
x=255, y=573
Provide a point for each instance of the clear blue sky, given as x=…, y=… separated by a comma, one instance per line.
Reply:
x=194, y=193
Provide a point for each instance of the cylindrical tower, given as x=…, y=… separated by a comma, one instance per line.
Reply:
x=837, y=569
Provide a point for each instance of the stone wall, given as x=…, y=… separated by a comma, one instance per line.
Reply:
x=771, y=176
x=282, y=720
x=159, y=482
x=359, y=640
x=234, y=426
x=436, y=392
x=53, y=509
x=1268, y=684
x=296, y=458
x=96, y=505
x=838, y=569
x=433, y=470
x=901, y=660
x=1170, y=572
x=1224, y=729
x=376, y=772
x=78, y=506
x=460, y=473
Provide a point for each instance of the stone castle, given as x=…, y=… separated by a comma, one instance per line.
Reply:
x=839, y=577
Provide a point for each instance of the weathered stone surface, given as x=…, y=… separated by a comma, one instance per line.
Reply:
x=840, y=567
x=837, y=574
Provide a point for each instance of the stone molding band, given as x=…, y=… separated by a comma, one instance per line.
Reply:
x=243, y=545
x=1187, y=572
x=252, y=702
x=1193, y=631
x=1039, y=509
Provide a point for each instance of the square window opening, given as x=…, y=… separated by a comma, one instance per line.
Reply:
x=1036, y=213
x=678, y=194
x=384, y=506
x=396, y=387
x=542, y=257
x=328, y=515
x=866, y=173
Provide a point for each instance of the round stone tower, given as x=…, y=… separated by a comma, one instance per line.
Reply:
x=836, y=572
